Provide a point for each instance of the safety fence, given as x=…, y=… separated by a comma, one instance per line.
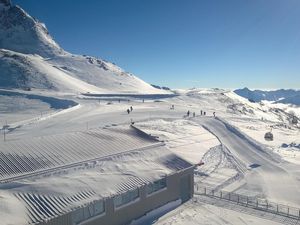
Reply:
x=250, y=202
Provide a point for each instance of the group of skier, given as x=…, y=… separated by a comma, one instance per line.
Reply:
x=202, y=113
x=129, y=110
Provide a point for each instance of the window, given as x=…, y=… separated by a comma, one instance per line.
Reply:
x=156, y=186
x=99, y=207
x=77, y=216
x=85, y=213
x=125, y=198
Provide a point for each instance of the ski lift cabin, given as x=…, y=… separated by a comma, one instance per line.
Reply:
x=269, y=136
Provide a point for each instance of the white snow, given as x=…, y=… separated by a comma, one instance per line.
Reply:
x=30, y=58
x=235, y=154
x=183, y=137
x=114, y=173
x=69, y=74
x=156, y=213
x=224, y=168
x=197, y=213
x=288, y=96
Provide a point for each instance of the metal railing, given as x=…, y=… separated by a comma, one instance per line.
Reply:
x=250, y=202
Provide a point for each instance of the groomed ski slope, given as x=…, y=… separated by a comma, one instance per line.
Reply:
x=189, y=138
x=277, y=182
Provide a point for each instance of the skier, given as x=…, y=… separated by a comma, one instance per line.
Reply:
x=131, y=108
x=188, y=113
x=201, y=112
x=128, y=111
x=204, y=113
x=214, y=114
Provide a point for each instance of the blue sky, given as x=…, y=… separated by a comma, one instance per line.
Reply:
x=183, y=43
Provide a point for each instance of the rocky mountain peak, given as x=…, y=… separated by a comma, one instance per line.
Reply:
x=5, y=4
x=22, y=33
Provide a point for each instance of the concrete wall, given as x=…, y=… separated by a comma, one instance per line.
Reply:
x=126, y=213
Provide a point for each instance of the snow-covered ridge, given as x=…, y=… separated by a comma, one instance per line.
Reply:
x=31, y=59
x=289, y=96
x=22, y=33
x=295, y=100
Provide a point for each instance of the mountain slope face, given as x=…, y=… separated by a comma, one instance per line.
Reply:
x=281, y=96
x=295, y=100
x=30, y=58
x=22, y=33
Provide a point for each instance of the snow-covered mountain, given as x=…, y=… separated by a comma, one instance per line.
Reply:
x=295, y=100
x=288, y=96
x=30, y=58
x=20, y=32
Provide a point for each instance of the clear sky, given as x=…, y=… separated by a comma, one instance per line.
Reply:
x=183, y=43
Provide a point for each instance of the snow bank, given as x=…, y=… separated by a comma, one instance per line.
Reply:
x=55, y=103
x=156, y=213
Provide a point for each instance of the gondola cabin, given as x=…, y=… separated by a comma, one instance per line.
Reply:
x=269, y=136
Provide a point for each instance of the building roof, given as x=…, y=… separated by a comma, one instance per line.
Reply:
x=75, y=169
x=19, y=159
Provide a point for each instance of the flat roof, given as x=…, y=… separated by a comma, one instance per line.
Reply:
x=19, y=159
x=94, y=165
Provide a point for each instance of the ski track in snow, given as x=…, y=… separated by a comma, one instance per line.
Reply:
x=227, y=155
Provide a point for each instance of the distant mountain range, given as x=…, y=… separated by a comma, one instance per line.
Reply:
x=287, y=96
x=31, y=59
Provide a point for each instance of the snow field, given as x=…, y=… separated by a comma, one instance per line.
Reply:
x=188, y=139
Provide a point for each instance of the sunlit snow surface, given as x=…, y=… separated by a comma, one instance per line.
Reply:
x=187, y=138
x=31, y=59
x=46, y=97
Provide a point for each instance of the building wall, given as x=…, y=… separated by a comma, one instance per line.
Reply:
x=133, y=210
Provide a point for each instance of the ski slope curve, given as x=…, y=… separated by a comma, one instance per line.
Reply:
x=277, y=182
